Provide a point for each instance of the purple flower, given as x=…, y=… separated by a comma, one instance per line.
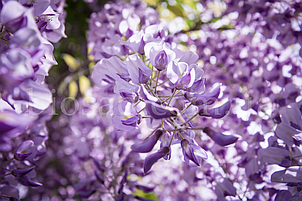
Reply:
x=137, y=69
x=220, y=138
x=113, y=71
x=24, y=150
x=136, y=42
x=131, y=22
x=13, y=19
x=125, y=117
x=148, y=144
x=192, y=152
x=129, y=96
x=207, y=98
x=160, y=54
x=180, y=74
x=153, y=158
x=159, y=111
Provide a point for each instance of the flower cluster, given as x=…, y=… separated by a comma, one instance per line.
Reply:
x=27, y=28
x=209, y=112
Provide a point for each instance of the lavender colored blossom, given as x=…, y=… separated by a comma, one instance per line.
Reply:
x=160, y=54
x=125, y=117
x=193, y=154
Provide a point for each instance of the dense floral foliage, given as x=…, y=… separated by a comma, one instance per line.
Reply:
x=182, y=100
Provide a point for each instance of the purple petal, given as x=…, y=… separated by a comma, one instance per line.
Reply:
x=148, y=144
x=283, y=195
x=99, y=178
x=28, y=182
x=220, y=138
x=131, y=121
x=161, y=60
x=153, y=158
x=217, y=112
x=158, y=111
x=98, y=165
x=21, y=172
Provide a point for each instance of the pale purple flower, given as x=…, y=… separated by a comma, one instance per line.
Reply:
x=129, y=25
x=193, y=154
x=136, y=42
x=160, y=54
x=25, y=149
x=114, y=46
x=125, y=117
x=138, y=71
x=207, y=98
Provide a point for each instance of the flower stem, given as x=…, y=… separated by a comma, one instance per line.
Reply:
x=155, y=90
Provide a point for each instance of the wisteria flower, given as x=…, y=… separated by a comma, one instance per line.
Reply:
x=193, y=154
x=160, y=54
x=138, y=71
x=125, y=116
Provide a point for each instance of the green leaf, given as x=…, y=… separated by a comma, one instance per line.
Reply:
x=142, y=194
x=176, y=10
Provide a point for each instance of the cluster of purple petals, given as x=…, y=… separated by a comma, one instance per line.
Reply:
x=159, y=94
x=27, y=29
x=281, y=19
x=261, y=73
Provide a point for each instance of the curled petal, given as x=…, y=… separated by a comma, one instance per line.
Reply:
x=132, y=121
x=24, y=150
x=153, y=158
x=208, y=98
x=159, y=112
x=28, y=182
x=129, y=96
x=21, y=172
x=217, y=112
x=148, y=144
x=220, y=138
